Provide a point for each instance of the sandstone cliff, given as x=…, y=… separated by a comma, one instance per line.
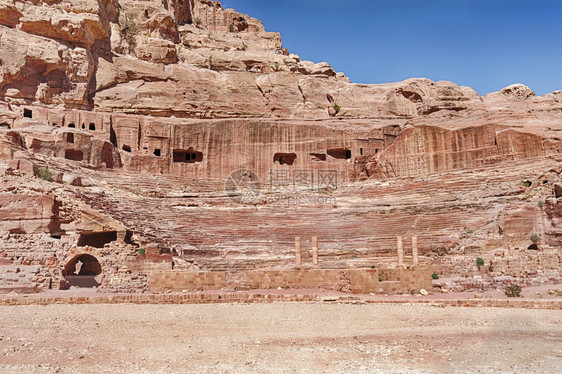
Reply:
x=121, y=120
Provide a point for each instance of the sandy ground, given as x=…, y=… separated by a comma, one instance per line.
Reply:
x=278, y=338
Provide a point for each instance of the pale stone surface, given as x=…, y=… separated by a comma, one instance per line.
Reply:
x=400, y=250
x=415, y=257
x=298, y=251
x=314, y=250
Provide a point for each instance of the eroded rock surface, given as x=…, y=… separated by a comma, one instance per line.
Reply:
x=120, y=122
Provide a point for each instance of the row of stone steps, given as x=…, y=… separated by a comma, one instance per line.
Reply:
x=367, y=216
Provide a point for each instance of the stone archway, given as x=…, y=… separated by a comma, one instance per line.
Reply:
x=81, y=271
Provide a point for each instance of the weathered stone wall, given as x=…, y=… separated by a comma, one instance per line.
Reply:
x=332, y=279
x=345, y=280
x=238, y=297
x=401, y=279
x=160, y=145
x=523, y=266
x=32, y=263
x=214, y=149
x=187, y=281
x=425, y=150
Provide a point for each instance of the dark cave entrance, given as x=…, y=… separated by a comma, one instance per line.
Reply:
x=339, y=153
x=97, y=239
x=81, y=271
x=285, y=158
x=74, y=155
x=187, y=156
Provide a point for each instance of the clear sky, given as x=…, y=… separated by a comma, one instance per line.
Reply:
x=485, y=44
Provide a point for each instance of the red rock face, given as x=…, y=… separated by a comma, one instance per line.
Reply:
x=27, y=214
x=121, y=122
x=425, y=150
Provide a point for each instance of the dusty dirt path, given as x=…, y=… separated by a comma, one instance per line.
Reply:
x=278, y=338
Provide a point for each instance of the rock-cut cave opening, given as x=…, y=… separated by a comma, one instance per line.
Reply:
x=73, y=155
x=187, y=156
x=81, y=271
x=97, y=239
x=339, y=153
x=285, y=158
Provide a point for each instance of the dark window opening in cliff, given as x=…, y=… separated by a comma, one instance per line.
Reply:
x=5, y=125
x=54, y=124
x=92, y=127
x=339, y=153
x=27, y=113
x=318, y=157
x=74, y=155
x=285, y=158
x=56, y=236
x=70, y=137
x=361, y=151
x=112, y=137
x=83, y=126
x=376, y=150
x=126, y=148
x=108, y=156
x=557, y=191
x=81, y=271
x=533, y=247
x=129, y=239
x=72, y=125
x=97, y=239
x=157, y=152
x=180, y=155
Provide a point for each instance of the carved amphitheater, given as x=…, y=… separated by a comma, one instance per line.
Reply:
x=151, y=146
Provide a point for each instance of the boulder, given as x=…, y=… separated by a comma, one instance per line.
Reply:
x=72, y=180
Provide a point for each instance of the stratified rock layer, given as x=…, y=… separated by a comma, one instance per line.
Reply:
x=146, y=136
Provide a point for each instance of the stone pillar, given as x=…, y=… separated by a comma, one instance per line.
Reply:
x=314, y=250
x=415, y=250
x=298, y=251
x=400, y=250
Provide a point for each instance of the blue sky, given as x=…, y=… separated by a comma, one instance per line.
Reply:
x=485, y=44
